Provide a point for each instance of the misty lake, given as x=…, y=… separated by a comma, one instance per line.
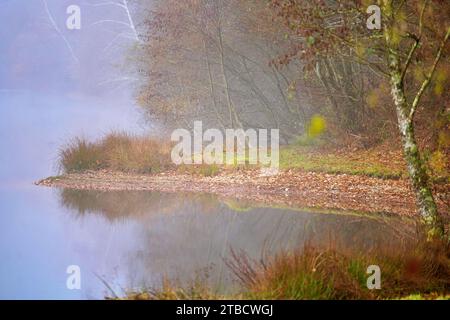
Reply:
x=129, y=240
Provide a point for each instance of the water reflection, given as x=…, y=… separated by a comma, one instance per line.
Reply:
x=183, y=236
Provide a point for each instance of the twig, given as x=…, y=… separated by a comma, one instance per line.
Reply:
x=55, y=26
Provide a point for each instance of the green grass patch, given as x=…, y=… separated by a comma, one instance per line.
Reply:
x=301, y=158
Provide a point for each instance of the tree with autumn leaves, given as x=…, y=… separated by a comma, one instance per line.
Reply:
x=413, y=39
x=276, y=63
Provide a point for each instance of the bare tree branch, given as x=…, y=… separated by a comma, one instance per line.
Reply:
x=130, y=20
x=117, y=80
x=427, y=81
x=410, y=55
x=123, y=5
x=106, y=3
x=416, y=41
x=58, y=31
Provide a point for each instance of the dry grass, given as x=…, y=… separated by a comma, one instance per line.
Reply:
x=117, y=151
x=330, y=273
x=80, y=155
x=196, y=291
x=125, y=153
x=413, y=271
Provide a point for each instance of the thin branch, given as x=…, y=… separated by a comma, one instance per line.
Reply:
x=110, y=21
x=106, y=3
x=114, y=40
x=130, y=20
x=416, y=41
x=410, y=55
x=117, y=80
x=124, y=6
x=422, y=14
x=58, y=31
x=427, y=81
x=400, y=7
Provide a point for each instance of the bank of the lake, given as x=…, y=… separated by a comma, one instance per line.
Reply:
x=294, y=188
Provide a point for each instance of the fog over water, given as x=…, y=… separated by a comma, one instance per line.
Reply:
x=49, y=95
x=46, y=98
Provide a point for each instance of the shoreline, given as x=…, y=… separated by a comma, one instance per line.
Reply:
x=294, y=188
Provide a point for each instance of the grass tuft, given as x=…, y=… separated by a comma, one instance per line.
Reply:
x=80, y=155
x=116, y=151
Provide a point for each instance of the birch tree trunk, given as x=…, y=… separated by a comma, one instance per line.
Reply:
x=416, y=168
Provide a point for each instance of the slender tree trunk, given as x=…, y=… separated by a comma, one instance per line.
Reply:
x=232, y=110
x=211, y=86
x=416, y=168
